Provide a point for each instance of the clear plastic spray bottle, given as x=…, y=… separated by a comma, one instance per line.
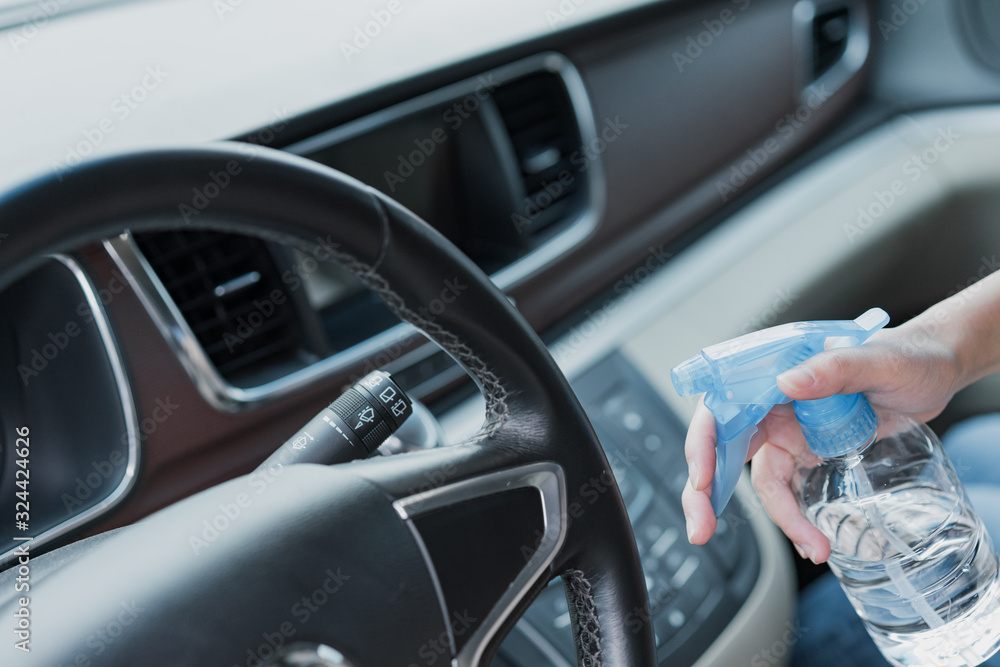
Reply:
x=910, y=552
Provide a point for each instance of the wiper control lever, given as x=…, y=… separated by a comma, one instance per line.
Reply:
x=352, y=427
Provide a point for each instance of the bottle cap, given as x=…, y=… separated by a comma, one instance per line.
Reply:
x=836, y=425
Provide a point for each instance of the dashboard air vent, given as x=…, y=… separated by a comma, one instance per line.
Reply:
x=545, y=137
x=830, y=32
x=223, y=285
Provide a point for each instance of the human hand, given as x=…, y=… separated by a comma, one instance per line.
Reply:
x=893, y=371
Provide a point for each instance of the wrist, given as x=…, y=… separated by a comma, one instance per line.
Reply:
x=930, y=336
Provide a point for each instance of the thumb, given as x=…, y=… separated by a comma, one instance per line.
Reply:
x=840, y=371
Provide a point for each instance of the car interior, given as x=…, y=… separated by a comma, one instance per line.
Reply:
x=218, y=218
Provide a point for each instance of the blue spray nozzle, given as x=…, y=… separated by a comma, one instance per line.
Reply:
x=739, y=378
x=694, y=376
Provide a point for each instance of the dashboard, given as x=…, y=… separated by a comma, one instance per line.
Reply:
x=581, y=161
x=555, y=166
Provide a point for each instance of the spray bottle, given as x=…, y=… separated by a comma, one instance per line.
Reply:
x=910, y=552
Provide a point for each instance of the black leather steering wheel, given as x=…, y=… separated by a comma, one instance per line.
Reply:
x=341, y=555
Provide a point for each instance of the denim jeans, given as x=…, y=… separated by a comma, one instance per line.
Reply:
x=834, y=635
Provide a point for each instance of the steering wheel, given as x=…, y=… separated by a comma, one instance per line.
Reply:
x=414, y=559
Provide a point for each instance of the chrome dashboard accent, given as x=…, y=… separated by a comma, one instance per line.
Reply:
x=850, y=63
x=308, y=654
x=218, y=392
x=128, y=411
x=549, y=480
x=226, y=397
x=580, y=228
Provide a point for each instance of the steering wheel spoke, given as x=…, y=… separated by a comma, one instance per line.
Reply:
x=512, y=527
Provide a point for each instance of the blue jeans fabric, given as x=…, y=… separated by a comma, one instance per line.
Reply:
x=833, y=634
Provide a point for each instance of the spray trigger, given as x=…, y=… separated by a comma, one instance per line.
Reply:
x=739, y=378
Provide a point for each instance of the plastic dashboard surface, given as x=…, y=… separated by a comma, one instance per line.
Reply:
x=694, y=592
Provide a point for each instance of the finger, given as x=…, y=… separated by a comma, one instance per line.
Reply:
x=760, y=438
x=771, y=471
x=842, y=371
x=699, y=448
x=698, y=514
x=782, y=429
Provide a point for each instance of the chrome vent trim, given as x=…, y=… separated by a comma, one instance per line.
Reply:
x=537, y=114
x=218, y=392
x=858, y=43
x=225, y=396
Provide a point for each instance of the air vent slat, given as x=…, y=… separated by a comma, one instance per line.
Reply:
x=532, y=112
x=240, y=327
x=536, y=182
x=541, y=123
x=201, y=275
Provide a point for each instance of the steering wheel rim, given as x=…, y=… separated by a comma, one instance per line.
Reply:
x=535, y=434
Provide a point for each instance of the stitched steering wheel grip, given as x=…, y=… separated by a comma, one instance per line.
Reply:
x=379, y=544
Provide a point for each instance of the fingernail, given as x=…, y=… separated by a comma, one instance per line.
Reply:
x=797, y=378
x=690, y=528
x=694, y=473
x=805, y=551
